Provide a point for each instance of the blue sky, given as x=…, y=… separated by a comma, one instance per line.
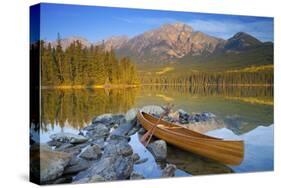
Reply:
x=97, y=23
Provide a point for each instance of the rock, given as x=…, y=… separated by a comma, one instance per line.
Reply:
x=98, y=130
x=54, y=143
x=135, y=157
x=140, y=161
x=182, y=112
x=169, y=170
x=69, y=137
x=80, y=165
x=122, y=129
x=96, y=178
x=109, y=119
x=158, y=149
x=131, y=114
x=136, y=176
x=110, y=168
x=48, y=165
x=117, y=148
x=92, y=152
x=142, y=130
x=62, y=180
x=133, y=131
x=153, y=109
x=64, y=146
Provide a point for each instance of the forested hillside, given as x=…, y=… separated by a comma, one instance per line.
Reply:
x=86, y=66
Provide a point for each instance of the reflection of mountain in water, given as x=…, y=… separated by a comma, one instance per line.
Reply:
x=75, y=108
x=227, y=103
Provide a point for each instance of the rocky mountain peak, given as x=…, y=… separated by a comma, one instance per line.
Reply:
x=241, y=41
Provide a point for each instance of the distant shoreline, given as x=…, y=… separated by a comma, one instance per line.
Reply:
x=90, y=87
x=120, y=86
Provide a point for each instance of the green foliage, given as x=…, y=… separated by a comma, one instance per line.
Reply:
x=87, y=66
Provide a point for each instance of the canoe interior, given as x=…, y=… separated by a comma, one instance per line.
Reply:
x=224, y=151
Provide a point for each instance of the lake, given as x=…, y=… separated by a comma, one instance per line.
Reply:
x=241, y=113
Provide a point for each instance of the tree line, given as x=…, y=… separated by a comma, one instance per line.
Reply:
x=87, y=66
x=212, y=78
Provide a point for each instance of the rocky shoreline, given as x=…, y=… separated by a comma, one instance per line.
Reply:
x=101, y=150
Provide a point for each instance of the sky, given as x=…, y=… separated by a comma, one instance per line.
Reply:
x=98, y=23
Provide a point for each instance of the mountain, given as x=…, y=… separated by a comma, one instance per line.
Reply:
x=179, y=42
x=241, y=41
x=169, y=42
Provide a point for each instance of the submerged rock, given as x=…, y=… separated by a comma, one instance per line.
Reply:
x=169, y=170
x=158, y=149
x=68, y=137
x=153, y=109
x=48, y=165
x=92, y=152
x=140, y=161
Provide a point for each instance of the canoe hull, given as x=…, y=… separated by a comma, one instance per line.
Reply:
x=226, y=152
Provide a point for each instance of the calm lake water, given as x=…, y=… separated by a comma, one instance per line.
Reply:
x=241, y=113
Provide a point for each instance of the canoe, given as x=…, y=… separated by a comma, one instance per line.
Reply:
x=223, y=151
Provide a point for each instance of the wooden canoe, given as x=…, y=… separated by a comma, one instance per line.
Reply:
x=224, y=151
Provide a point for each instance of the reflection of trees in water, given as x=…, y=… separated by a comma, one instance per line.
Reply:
x=253, y=94
x=77, y=107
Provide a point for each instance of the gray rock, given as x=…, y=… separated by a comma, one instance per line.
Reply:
x=158, y=149
x=117, y=148
x=48, y=165
x=98, y=130
x=80, y=165
x=122, y=129
x=153, y=109
x=133, y=131
x=109, y=119
x=136, y=176
x=169, y=170
x=54, y=143
x=69, y=137
x=135, y=157
x=110, y=168
x=96, y=178
x=142, y=130
x=131, y=114
x=92, y=152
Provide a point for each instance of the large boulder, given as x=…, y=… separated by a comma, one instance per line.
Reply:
x=48, y=165
x=92, y=152
x=109, y=119
x=78, y=165
x=97, y=130
x=158, y=149
x=153, y=109
x=131, y=114
x=68, y=137
x=110, y=168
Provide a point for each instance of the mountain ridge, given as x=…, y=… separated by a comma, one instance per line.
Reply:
x=171, y=43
